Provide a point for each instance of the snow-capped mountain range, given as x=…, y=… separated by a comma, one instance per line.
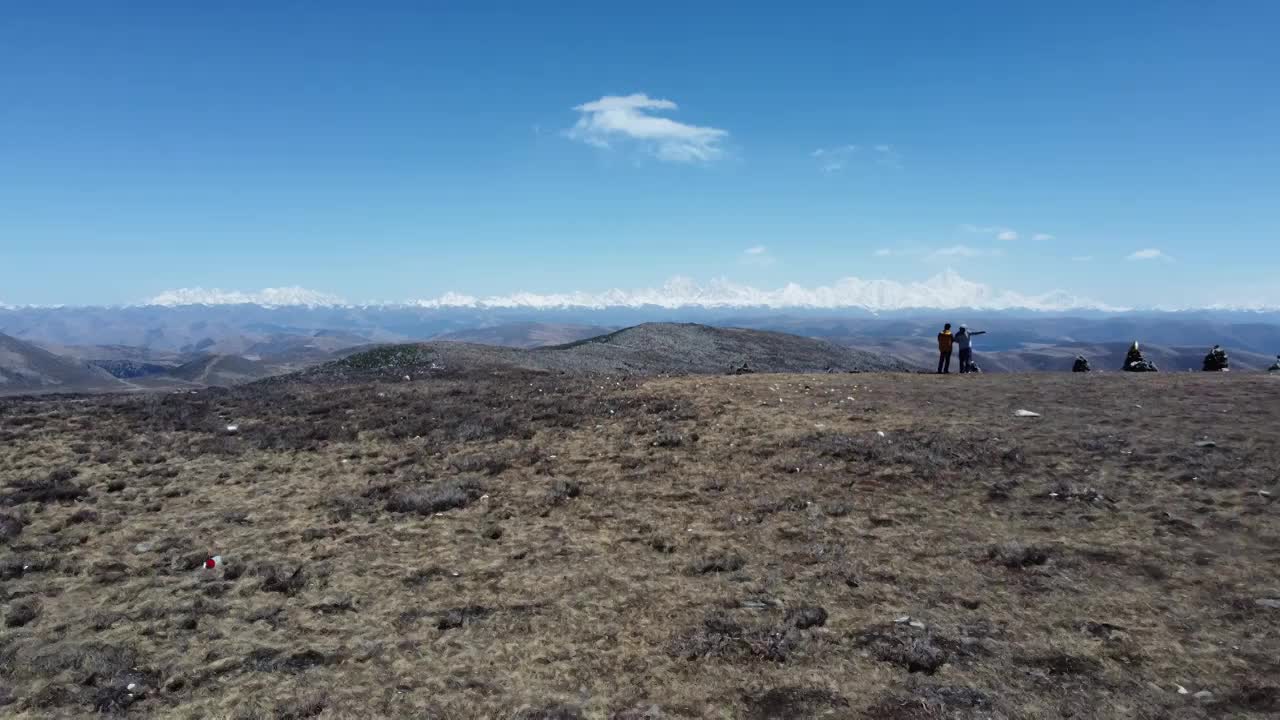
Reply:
x=945, y=290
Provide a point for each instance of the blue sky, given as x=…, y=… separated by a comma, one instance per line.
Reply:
x=417, y=148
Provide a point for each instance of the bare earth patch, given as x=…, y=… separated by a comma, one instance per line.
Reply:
x=531, y=545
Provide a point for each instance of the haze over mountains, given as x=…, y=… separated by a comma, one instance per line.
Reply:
x=191, y=345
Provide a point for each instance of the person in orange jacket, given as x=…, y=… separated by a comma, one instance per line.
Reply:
x=944, y=349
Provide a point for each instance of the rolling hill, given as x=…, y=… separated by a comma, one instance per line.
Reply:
x=221, y=370
x=649, y=349
x=27, y=368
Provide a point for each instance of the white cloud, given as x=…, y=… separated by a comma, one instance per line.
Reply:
x=962, y=251
x=883, y=252
x=630, y=119
x=1082, y=258
x=757, y=255
x=1149, y=254
x=266, y=296
x=999, y=232
x=1040, y=237
x=834, y=159
x=945, y=290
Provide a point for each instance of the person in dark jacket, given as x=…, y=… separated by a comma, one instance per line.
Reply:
x=964, y=338
x=945, y=340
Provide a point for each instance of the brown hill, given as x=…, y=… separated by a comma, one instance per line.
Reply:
x=649, y=349
x=27, y=368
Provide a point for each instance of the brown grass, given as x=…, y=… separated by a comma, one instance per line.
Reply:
x=536, y=546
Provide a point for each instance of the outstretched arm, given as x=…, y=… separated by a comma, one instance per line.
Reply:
x=978, y=332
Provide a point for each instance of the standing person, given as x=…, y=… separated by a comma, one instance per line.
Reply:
x=964, y=339
x=944, y=350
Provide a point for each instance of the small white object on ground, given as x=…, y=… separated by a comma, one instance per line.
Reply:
x=880, y=433
x=1182, y=690
x=1206, y=443
x=916, y=624
x=1203, y=696
x=1025, y=413
x=233, y=429
x=902, y=620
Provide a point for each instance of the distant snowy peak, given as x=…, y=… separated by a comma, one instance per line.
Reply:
x=945, y=290
x=267, y=297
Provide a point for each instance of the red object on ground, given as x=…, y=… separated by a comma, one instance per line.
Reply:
x=210, y=563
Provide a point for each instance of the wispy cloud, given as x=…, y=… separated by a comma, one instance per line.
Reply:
x=629, y=119
x=1149, y=254
x=1000, y=232
x=962, y=251
x=757, y=255
x=993, y=230
x=834, y=159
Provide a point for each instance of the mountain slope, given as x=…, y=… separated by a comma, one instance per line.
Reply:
x=650, y=349
x=524, y=334
x=221, y=370
x=27, y=368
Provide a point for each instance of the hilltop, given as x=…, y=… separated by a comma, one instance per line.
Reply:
x=648, y=349
x=530, y=546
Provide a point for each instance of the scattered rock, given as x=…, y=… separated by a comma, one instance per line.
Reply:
x=557, y=711
x=1203, y=696
x=759, y=603
x=1017, y=556
x=10, y=527
x=22, y=612
x=907, y=647
x=806, y=617
x=717, y=563
x=563, y=491
x=279, y=580
x=460, y=616
x=336, y=604
x=1025, y=413
x=787, y=703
